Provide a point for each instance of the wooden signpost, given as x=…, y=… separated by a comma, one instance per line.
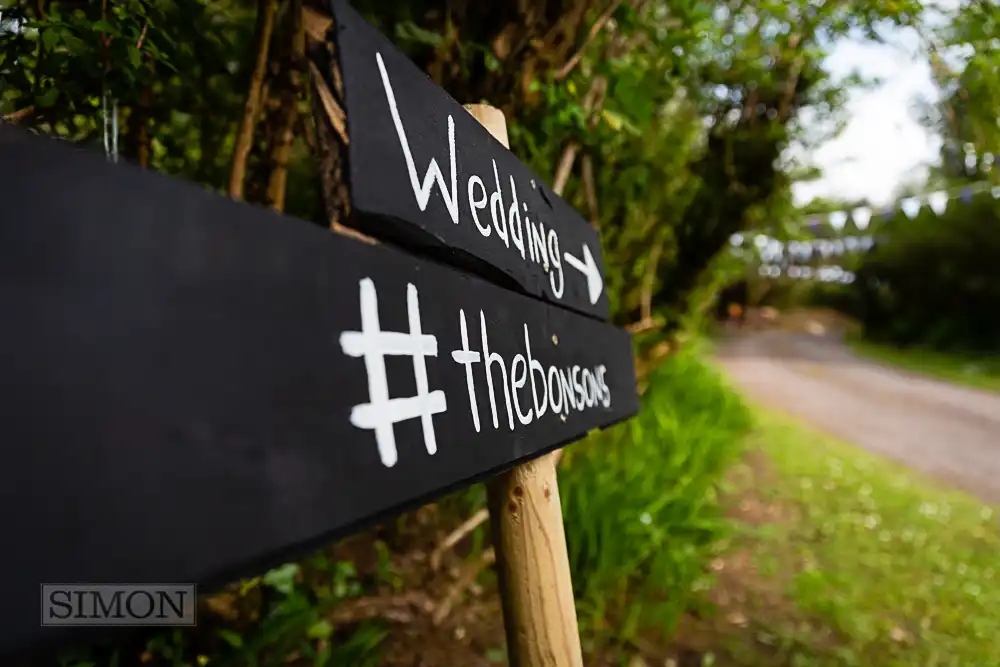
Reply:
x=195, y=389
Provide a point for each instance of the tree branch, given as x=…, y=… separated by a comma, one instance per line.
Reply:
x=244, y=137
x=650, y=281
x=564, y=167
x=595, y=30
x=592, y=101
x=456, y=536
x=465, y=581
x=334, y=113
x=589, y=189
x=291, y=93
x=317, y=24
x=20, y=114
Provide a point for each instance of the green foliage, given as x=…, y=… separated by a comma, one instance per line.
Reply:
x=966, y=64
x=640, y=502
x=934, y=281
x=286, y=612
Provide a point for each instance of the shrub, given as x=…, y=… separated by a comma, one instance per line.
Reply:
x=640, y=501
x=934, y=281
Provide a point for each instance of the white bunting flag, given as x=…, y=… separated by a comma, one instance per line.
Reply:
x=911, y=207
x=838, y=219
x=970, y=163
x=851, y=243
x=862, y=216
x=995, y=191
x=938, y=201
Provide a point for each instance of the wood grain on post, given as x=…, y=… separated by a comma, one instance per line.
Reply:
x=531, y=558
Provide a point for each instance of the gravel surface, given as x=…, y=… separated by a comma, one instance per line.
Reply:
x=948, y=431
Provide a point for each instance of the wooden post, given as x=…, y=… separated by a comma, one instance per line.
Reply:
x=531, y=558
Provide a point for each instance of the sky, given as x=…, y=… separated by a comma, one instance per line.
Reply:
x=883, y=146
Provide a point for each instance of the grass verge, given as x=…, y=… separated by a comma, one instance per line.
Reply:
x=978, y=372
x=845, y=558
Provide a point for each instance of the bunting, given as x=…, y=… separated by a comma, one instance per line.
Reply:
x=938, y=202
x=910, y=206
x=777, y=258
x=862, y=216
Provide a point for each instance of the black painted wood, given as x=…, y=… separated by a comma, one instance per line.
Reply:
x=403, y=188
x=177, y=385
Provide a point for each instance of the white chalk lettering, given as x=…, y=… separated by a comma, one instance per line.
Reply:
x=478, y=204
x=535, y=365
x=433, y=175
x=561, y=388
x=467, y=358
x=518, y=381
x=540, y=249
x=555, y=390
x=567, y=391
x=490, y=358
x=578, y=386
x=516, y=236
x=556, y=265
x=605, y=392
x=587, y=380
x=380, y=413
x=532, y=241
x=530, y=233
x=496, y=206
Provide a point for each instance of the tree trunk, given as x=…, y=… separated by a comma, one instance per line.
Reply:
x=136, y=143
x=291, y=93
x=244, y=138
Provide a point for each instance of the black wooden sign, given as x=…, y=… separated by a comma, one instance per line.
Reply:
x=192, y=389
x=431, y=174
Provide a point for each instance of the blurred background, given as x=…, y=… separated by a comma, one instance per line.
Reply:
x=799, y=206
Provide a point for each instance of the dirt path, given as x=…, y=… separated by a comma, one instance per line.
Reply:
x=948, y=431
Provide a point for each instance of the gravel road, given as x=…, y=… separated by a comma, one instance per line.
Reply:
x=948, y=431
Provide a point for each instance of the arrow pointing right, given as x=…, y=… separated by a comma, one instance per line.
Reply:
x=588, y=267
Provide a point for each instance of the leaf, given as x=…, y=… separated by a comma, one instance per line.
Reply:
x=48, y=98
x=50, y=39
x=248, y=585
x=134, y=56
x=615, y=121
x=231, y=637
x=408, y=31
x=74, y=44
x=321, y=629
x=282, y=579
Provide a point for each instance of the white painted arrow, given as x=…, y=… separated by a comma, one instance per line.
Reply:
x=588, y=267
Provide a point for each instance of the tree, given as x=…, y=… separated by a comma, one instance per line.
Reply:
x=663, y=121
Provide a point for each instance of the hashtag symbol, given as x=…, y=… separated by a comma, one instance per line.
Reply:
x=373, y=344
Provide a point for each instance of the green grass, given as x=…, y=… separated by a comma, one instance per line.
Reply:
x=640, y=507
x=859, y=561
x=979, y=372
